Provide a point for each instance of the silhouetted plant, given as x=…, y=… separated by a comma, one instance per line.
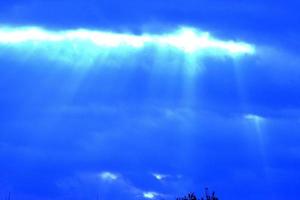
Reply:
x=192, y=196
x=209, y=196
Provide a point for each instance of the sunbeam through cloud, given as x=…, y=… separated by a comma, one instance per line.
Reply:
x=149, y=100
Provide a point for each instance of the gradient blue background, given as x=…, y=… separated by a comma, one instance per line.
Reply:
x=60, y=127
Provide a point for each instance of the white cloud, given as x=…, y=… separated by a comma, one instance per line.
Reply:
x=185, y=39
x=253, y=117
x=108, y=176
x=90, y=45
x=150, y=195
x=159, y=176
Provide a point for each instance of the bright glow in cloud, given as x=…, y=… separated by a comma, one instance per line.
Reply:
x=83, y=47
x=108, y=176
x=149, y=195
x=253, y=117
x=159, y=176
x=186, y=40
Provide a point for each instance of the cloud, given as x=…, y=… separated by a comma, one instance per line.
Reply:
x=159, y=176
x=108, y=176
x=253, y=117
x=88, y=46
x=150, y=195
x=116, y=155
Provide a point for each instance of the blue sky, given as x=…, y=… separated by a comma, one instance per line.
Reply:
x=149, y=100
